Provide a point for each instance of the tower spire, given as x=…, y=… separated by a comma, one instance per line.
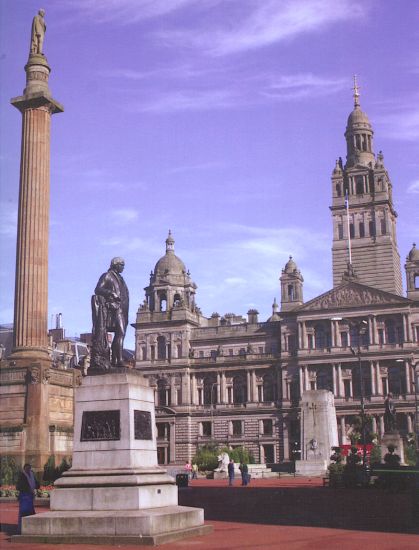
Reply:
x=170, y=242
x=356, y=91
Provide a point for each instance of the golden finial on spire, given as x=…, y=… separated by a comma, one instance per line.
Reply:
x=356, y=91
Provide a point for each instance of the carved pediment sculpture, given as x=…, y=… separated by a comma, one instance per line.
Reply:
x=351, y=295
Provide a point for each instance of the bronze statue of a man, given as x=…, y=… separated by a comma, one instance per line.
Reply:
x=38, y=32
x=109, y=314
x=389, y=414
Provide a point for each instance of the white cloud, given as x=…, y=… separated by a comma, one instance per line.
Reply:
x=185, y=100
x=303, y=85
x=123, y=216
x=127, y=11
x=259, y=24
x=413, y=187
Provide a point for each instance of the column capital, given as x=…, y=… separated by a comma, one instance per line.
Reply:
x=36, y=100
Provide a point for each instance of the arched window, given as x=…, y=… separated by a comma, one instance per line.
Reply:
x=338, y=190
x=163, y=302
x=268, y=388
x=291, y=294
x=161, y=347
x=239, y=390
x=359, y=183
x=177, y=300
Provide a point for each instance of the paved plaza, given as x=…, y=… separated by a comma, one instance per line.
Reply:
x=287, y=513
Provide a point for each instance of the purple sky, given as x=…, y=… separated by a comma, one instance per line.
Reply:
x=220, y=120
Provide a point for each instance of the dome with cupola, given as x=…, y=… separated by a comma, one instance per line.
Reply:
x=170, y=264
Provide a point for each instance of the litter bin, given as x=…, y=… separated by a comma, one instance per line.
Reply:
x=182, y=480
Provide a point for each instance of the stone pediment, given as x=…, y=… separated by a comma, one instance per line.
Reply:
x=352, y=294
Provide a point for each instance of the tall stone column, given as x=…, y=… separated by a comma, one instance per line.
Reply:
x=30, y=335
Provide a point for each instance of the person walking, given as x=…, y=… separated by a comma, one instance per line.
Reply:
x=230, y=469
x=244, y=472
x=26, y=485
x=194, y=471
x=188, y=469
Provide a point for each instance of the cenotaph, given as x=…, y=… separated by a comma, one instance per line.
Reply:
x=319, y=432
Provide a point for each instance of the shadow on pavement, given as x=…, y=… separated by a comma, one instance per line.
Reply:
x=356, y=509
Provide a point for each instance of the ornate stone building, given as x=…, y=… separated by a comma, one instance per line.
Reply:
x=239, y=381
x=216, y=378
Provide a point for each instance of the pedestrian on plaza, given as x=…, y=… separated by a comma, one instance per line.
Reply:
x=194, y=471
x=245, y=472
x=230, y=469
x=27, y=486
x=188, y=469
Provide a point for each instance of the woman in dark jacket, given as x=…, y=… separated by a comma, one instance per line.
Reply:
x=26, y=485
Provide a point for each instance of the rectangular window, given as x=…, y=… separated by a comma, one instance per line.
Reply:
x=340, y=231
x=383, y=226
x=371, y=226
x=310, y=341
x=201, y=354
x=206, y=429
x=236, y=427
x=361, y=229
x=213, y=354
x=260, y=350
x=344, y=339
x=267, y=427
x=347, y=388
x=352, y=230
x=230, y=352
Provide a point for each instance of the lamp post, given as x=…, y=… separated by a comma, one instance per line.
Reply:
x=360, y=327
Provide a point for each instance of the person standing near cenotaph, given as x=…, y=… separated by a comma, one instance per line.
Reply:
x=26, y=485
x=38, y=33
x=230, y=470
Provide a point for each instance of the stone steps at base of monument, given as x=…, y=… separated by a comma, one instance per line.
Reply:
x=147, y=526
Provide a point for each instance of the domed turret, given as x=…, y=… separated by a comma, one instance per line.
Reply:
x=412, y=273
x=169, y=264
x=358, y=135
x=291, y=286
x=171, y=287
x=275, y=317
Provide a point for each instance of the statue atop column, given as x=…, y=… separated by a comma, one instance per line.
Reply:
x=38, y=33
x=389, y=414
x=110, y=304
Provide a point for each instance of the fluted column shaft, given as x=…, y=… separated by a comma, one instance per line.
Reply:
x=31, y=288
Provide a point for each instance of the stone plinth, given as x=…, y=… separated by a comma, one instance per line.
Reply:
x=319, y=432
x=115, y=492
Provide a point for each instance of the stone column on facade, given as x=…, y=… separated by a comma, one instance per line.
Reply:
x=173, y=391
x=285, y=439
x=300, y=377
x=254, y=387
x=284, y=385
x=372, y=375
x=333, y=333
x=340, y=382
x=408, y=377
x=334, y=389
x=223, y=388
x=218, y=387
x=338, y=336
x=186, y=388
x=342, y=429
x=379, y=379
x=409, y=423
x=300, y=335
x=248, y=386
x=306, y=379
x=194, y=399
x=172, y=442
x=381, y=424
x=374, y=424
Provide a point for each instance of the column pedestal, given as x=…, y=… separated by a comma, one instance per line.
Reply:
x=115, y=493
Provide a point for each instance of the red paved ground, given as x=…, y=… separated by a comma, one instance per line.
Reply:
x=289, y=513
